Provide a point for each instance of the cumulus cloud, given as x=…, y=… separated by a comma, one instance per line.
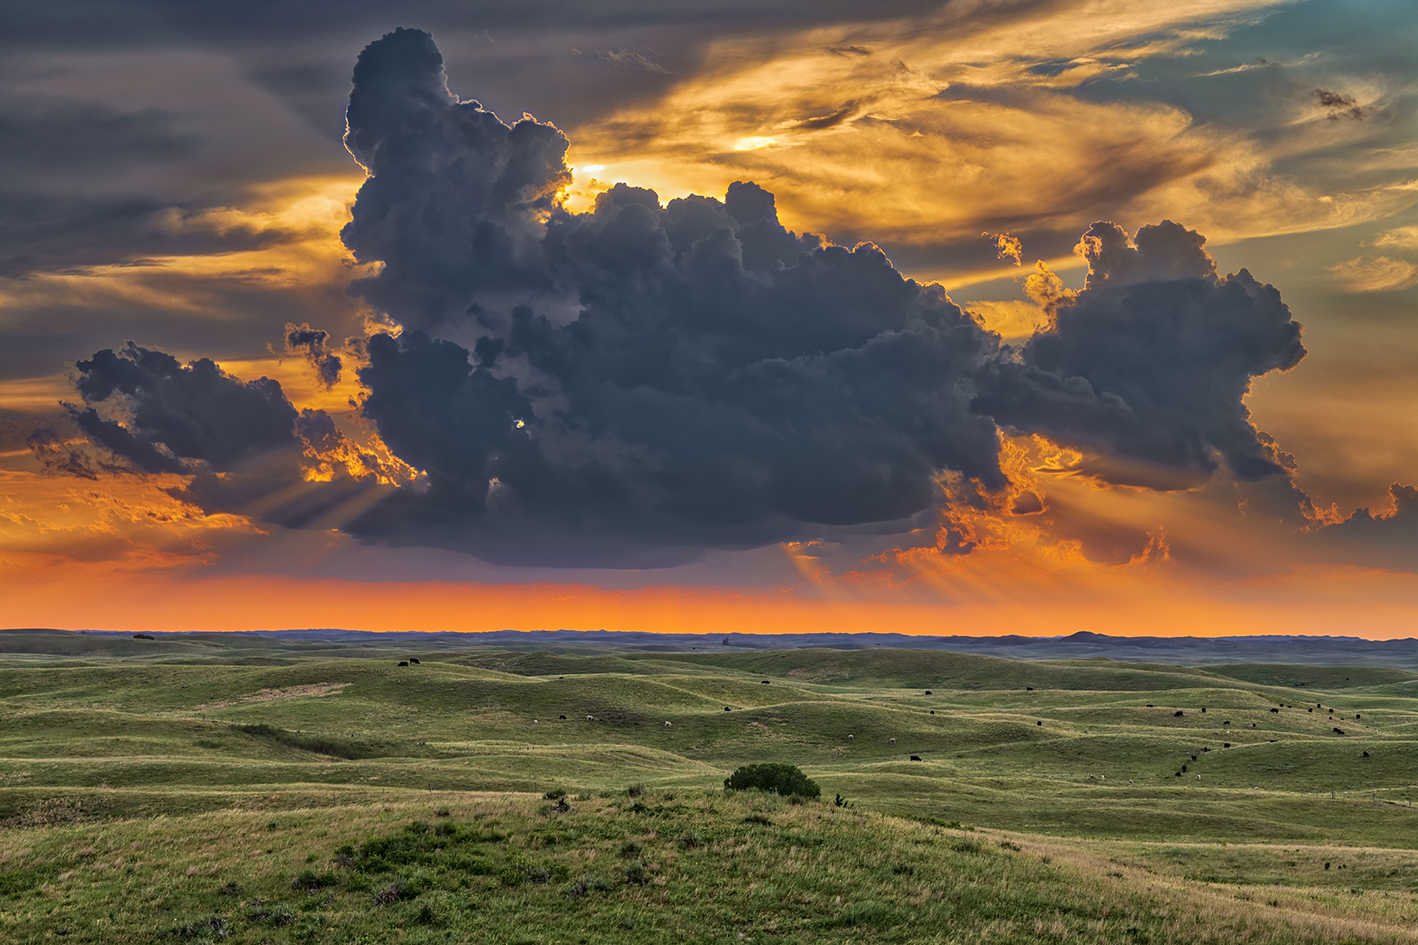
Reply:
x=1152, y=359
x=633, y=384
x=454, y=202
x=171, y=414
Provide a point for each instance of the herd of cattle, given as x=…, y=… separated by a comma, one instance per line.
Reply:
x=1180, y=713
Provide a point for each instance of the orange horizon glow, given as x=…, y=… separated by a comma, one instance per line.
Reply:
x=143, y=602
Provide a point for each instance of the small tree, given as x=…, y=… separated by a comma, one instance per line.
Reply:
x=786, y=780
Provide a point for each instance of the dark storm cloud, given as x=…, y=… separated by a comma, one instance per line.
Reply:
x=1152, y=359
x=628, y=386
x=683, y=374
x=451, y=206
x=178, y=413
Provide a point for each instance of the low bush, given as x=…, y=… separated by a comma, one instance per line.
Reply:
x=786, y=780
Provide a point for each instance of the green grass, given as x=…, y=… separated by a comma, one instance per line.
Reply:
x=1079, y=761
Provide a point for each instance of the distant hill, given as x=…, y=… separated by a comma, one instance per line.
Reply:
x=1184, y=651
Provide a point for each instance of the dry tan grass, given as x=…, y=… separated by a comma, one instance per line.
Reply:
x=310, y=690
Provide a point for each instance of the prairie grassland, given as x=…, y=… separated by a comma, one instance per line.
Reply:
x=144, y=795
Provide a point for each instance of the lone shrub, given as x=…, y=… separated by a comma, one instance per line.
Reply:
x=787, y=780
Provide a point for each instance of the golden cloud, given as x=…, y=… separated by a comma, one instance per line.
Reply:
x=1379, y=274
x=932, y=129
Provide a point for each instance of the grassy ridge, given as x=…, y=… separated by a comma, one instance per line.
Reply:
x=659, y=867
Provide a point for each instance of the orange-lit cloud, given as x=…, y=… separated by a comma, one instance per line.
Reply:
x=930, y=128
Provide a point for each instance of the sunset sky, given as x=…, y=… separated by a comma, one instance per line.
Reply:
x=979, y=317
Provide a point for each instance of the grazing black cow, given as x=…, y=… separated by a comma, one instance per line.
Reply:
x=1274, y=710
x=918, y=757
x=1038, y=723
x=928, y=692
x=403, y=662
x=932, y=711
x=1339, y=731
x=1225, y=744
x=413, y=659
x=563, y=716
x=766, y=683
x=1177, y=714
x=1357, y=715
x=1203, y=708
x=726, y=708
x=1184, y=767
x=1366, y=754
x=1227, y=722
x=1028, y=688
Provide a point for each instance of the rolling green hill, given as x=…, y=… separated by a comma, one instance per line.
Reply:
x=1174, y=770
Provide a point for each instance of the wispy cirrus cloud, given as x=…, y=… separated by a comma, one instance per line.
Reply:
x=1375, y=274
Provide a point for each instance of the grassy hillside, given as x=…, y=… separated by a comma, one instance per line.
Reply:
x=657, y=867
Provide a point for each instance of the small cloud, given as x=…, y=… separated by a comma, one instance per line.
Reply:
x=823, y=122
x=1380, y=274
x=1404, y=237
x=1009, y=247
x=1339, y=105
x=754, y=142
x=312, y=344
x=631, y=60
x=1260, y=62
x=847, y=50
